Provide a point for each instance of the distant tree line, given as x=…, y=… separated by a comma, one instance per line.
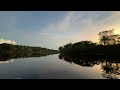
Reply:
x=109, y=44
x=10, y=51
x=87, y=53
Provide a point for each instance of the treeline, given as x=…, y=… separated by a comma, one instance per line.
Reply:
x=109, y=44
x=9, y=50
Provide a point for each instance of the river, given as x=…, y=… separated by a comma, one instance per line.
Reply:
x=51, y=67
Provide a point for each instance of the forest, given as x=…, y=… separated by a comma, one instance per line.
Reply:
x=88, y=54
x=109, y=44
x=8, y=51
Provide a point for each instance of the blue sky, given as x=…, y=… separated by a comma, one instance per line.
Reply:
x=52, y=29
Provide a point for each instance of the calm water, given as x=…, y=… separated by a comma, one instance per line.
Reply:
x=51, y=67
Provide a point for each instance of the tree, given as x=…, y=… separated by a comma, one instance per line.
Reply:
x=68, y=45
x=104, y=40
x=116, y=38
x=60, y=48
x=108, y=37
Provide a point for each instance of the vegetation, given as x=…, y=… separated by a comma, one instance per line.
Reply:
x=110, y=65
x=109, y=38
x=16, y=51
x=109, y=44
x=88, y=53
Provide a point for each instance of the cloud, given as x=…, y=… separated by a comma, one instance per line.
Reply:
x=7, y=41
x=77, y=26
x=72, y=27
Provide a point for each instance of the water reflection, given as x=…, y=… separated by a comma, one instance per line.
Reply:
x=110, y=65
x=111, y=70
x=7, y=58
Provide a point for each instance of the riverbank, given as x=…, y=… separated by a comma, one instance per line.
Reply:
x=17, y=51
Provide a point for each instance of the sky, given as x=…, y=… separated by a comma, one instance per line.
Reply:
x=52, y=29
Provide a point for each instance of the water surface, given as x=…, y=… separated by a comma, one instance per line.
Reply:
x=52, y=67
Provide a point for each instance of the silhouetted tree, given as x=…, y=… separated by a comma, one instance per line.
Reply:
x=105, y=37
x=108, y=37
x=23, y=51
x=60, y=48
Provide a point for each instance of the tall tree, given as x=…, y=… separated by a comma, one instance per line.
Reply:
x=107, y=37
x=104, y=40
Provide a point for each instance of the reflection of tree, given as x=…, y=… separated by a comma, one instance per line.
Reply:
x=111, y=70
x=110, y=66
x=6, y=58
x=8, y=51
x=82, y=61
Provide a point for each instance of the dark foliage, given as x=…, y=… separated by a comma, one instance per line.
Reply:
x=8, y=51
x=109, y=45
x=110, y=65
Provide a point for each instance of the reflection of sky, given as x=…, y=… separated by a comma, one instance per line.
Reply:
x=53, y=67
x=49, y=67
x=52, y=29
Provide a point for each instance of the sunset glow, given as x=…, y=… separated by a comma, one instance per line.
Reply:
x=60, y=45
x=53, y=29
x=117, y=31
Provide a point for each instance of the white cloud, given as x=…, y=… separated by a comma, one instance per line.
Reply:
x=7, y=41
x=77, y=26
x=74, y=27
